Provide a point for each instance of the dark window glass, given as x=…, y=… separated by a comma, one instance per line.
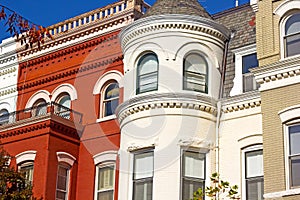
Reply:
x=294, y=155
x=4, y=116
x=292, y=35
x=111, y=99
x=249, y=61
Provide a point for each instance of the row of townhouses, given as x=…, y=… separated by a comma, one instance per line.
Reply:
x=133, y=102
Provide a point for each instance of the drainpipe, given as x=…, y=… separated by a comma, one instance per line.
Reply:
x=219, y=103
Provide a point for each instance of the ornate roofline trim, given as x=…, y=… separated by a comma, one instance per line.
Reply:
x=8, y=91
x=166, y=100
x=173, y=21
x=66, y=73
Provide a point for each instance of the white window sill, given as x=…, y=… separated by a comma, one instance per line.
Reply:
x=282, y=193
x=110, y=117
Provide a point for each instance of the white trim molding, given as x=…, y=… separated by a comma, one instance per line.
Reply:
x=25, y=156
x=66, y=87
x=65, y=157
x=42, y=94
x=289, y=113
x=111, y=75
x=238, y=79
x=282, y=193
x=106, y=156
x=286, y=6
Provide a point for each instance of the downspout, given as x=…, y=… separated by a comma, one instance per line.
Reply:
x=219, y=104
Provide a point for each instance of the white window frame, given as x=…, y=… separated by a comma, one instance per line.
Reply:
x=203, y=151
x=101, y=82
x=98, y=167
x=138, y=75
x=238, y=79
x=103, y=101
x=244, y=151
x=283, y=11
x=107, y=157
x=140, y=152
x=24, y=157
x=68, y=167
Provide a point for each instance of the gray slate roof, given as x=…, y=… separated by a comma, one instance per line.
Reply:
x=184, y=7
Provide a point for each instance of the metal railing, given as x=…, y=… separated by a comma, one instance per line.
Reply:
x=46, y=109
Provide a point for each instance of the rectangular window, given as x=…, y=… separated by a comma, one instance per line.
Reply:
x=105, y=181
x=62, y=185
x=193, y=173
x=143, y=176
x=294, y=155
x=254, y=175
x=26, y=169
x=248, y=62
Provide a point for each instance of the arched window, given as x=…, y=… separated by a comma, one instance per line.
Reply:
x=147, y=73
x=110, y=99
x=26, y=168
x=195, y=73
x=39, y=108
x=292, y=35
x=4, y=116
x=63, y=109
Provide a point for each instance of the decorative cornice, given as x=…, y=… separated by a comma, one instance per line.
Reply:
x=7, y=71
x=241, y=102
x=8, y=59
x=69, y=72
x=68, y=50
x=166, y=100
x=173, y=21
x=8, y=91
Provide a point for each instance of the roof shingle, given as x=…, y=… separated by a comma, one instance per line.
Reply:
x=184, y=7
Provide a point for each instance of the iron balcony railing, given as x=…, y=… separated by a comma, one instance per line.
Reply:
x=45, y=109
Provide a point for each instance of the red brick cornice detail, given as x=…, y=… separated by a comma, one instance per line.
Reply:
x=24, y=129
x=79, y=47
x=67, y=73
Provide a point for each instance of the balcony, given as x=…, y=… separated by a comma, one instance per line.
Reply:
x=49, y=115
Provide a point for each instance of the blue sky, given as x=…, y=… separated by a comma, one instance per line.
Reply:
x=47, y=12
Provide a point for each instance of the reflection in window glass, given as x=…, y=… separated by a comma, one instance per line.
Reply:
x=193, y=173
x=294, y=155
x=254, y=175
x=292, y=35
x=111, y=99
x=195, y=73
x=147, y=73
x=4, y=116
x=105, y=184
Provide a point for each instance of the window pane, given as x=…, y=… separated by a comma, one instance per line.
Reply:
x=249, y=61
x=107, y=195
x=195, y=63
x=142, y=190
x=110, y=107
x=292, y=45
x=147, y=78
x=189, y=187
x=194, y=165
x=106, y=178
x=294, y=132
x=148, y=64
x=293, y=24
x=27, y=170
x=60, y=195
x=255, y=189
x=65, y=101
x=295, y=172
x=143, y=165
x=112, y=91
x=4, y=116
x=254, y=164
